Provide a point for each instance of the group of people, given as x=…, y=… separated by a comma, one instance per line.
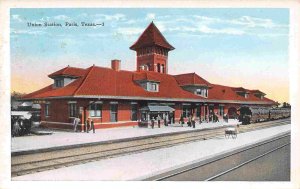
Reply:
x=165, y=120
x=191, y=121
x=88, y=124
x=213, y=117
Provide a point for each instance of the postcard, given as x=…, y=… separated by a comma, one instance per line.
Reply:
x=151, y=93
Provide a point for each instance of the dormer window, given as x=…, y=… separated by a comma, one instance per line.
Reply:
x=58, y=82
x=242, y=92
x=148, y=85
x=63, y=81
x=152, y=87
x=259, y=94
x=202, y=92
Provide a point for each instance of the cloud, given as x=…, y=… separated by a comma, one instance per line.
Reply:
x=29, y=32
x=17, y=17
x=229, y=31
x=130, y=30
x=179, y=25
x=244, y=25
x=61, y=17
x=206, y=20
x=45, y=19
x=150, y=16
x=114, y=17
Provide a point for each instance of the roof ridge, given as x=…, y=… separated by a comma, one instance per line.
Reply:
x=153, y=34
x=84, y=79
x=184, y=74
x=141, y=35
x=64, y=70
x=200, y=77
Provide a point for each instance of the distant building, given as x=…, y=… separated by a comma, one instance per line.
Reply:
x=113, y=97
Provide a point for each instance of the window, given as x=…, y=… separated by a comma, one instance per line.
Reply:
x=95, y=110
x=144, y=67
x=47, y=110
x=202, y=92
x=72, y=110
x=198, y=111
x=114, y=112
x=134, y=109
x=158, y=67
x=198, y=91
x=186, y=110
x=221, y=110
x=153, y=87
x=59, y=82
x=246, y=95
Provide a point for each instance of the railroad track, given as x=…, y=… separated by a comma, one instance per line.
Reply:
x=37, y=162
x=225, y=164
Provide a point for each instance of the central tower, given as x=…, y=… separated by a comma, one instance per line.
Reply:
x=152, y=50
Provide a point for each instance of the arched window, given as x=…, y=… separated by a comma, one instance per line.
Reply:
x=158, y=67
x=162, y=68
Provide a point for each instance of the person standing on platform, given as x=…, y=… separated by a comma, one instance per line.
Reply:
x=167, y=119
x=189, y=121
x=217, y=117
x=92, y=126
x=193, y=121
x=158, y=120
x=87, y=123
x=181, y=121
x=152, y=122
x=75, y=123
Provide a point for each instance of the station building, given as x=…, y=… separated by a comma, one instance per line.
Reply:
x=115, y=98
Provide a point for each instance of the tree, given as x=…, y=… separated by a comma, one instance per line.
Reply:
x=286, y=105
x=16, y=96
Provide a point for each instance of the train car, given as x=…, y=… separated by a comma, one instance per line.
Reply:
x=279, y=113
x=258, y=114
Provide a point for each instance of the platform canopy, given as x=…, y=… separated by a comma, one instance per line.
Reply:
x=157, y=108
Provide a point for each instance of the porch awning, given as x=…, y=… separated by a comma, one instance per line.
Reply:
x=153, y=108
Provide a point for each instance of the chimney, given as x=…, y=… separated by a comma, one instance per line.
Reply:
x=116, y=65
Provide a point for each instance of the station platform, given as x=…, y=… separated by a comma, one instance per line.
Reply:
x=143, y=165
x=60, y=139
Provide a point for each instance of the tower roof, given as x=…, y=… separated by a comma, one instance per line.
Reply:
x=151, y=36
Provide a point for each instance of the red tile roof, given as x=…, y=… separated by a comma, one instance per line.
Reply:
x=190, y=79
x=69, y=71
x=151, y=36
x=257, y=92
x=240, y=89
x=221, y=92
x=99, y=81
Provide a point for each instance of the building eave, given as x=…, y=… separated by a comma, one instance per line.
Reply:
x=153, y=99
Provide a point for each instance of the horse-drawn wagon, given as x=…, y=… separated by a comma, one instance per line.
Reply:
x=231, y=132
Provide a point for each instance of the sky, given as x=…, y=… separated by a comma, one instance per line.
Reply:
x=234, y=47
